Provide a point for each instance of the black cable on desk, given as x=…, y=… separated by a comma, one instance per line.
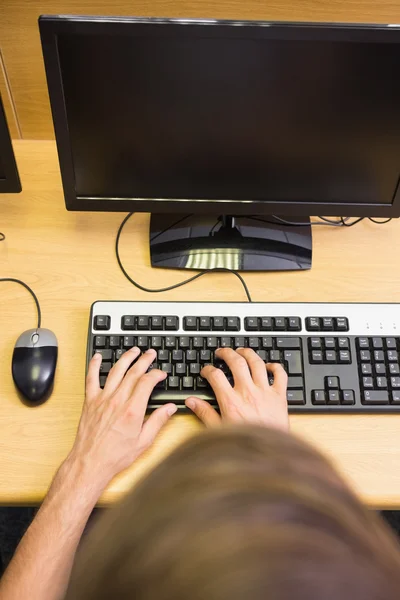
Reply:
x=30, y=290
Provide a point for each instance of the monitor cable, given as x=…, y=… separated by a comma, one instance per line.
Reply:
x=30, y=290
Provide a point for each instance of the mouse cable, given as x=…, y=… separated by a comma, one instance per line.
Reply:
x=176, y=285
x=2, y=237
x=30, y=290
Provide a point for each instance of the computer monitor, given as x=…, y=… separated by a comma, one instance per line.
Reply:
x=9, y=178
x=222, y=129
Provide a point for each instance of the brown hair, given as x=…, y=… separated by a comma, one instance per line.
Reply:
x=239, y=514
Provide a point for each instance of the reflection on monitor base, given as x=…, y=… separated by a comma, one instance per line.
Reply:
x=251, y=243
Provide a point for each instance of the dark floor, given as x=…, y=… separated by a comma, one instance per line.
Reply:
x=14, y=522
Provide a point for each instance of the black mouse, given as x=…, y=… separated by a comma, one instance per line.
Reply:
x=34, y=363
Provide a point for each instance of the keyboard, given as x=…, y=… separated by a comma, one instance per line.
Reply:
x=340, y=358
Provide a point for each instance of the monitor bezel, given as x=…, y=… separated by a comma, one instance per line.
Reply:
x=51, y=26
x=10, y=183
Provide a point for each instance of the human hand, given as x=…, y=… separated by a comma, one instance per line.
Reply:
x=111, y=433
x=252, y=399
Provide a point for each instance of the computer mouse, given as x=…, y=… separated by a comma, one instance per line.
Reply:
x=34, y=364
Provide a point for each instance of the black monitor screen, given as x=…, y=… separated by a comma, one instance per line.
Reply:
x=243, y=118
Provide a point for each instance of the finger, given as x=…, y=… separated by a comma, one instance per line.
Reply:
x=154, y=423
x=237, y=365
x=118, y=371
x=256, y=365
x=219, y=383
x=137, y=371
x=280, y=378
x=204, y=411
x=139, y=399
x=93, y=376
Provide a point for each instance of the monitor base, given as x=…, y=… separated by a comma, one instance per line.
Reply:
x=250, y=243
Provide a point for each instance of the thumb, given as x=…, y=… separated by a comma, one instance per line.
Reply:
x=154, y=423
x=204, y=411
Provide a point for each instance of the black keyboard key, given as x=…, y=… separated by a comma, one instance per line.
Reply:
x=173, y=382
x=274, y=356
x=366, y=368
x=191, y=356
x=114, y=341
x=394, y=369
x=343, y=343
x=190, y=324
x=156, y=342
x=201, y=383
x=395, y=397
x=180, y=369
x=156, y=323
x=166, y=368
x=295, y=383
x=344, y=357
x=293, y=359
x=103, y=379
x=143, y=323
x=205, y=356
x=171, y=323
x=295, y=397
x=333, y=397
x=266, y=343
x=263, y=354
x=395, y=382
x=380, y=369
x=313, y=324
x=102, y=323
x=218, y=323
x=205, y=323
x=330, y=343
x=233, y=324
x=128, y=323
x=99, y=341
x=195, y=368
x=377, y=343
x=177, y=356
x=254, y=343
x=288, y=342
x=316, y=357
x=170, y=342
x=294, y=324
x=106, y=354
x=318, y=397
x=363, y=343
x=188, y=383
x=348, y=397
x=226, y=342
x=367, y=382
x=184, y=342
x=315, y=343
x=266, y=324
x=332, y=383
x=330, y=357
x=211, y=343
x=239, y=342
x=327, y=324
x=143, y=342
x=119, y=353
x=371, y=397
x=251, y=324
x=365, y=355
x=153, y=366
x=392, y=356
x=128, y=341
x=105, y=368
x=222, y=366
x=391, y=343
x=341, y=324
x=163, y=356
x=381, y=383
x=198, y=342
x=279, y=324
x=379, y=356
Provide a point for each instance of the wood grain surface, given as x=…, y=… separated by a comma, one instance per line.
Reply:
x=20, y=41
x=68, y=258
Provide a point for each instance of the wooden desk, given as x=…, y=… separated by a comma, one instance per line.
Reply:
x=69, y=260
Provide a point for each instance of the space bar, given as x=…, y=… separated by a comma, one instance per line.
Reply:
x=179, y=396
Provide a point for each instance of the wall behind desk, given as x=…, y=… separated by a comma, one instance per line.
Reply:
x=22, y=77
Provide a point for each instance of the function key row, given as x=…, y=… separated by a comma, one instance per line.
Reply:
x=272, y=324
x=146, y=323
x=327, y=324
x=211, y=324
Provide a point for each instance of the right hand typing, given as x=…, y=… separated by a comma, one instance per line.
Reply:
x=251, y=399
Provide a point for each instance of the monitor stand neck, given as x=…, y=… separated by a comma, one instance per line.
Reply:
x=241, y=243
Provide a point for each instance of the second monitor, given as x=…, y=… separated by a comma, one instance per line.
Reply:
x=224, y=129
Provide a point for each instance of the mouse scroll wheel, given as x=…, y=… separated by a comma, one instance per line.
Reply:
x=35, y=338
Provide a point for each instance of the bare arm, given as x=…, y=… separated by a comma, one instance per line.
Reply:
x=111, y=436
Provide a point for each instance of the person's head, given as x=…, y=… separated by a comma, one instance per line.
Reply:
x=244, y=513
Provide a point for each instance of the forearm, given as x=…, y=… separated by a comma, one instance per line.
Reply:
x=41, y=566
